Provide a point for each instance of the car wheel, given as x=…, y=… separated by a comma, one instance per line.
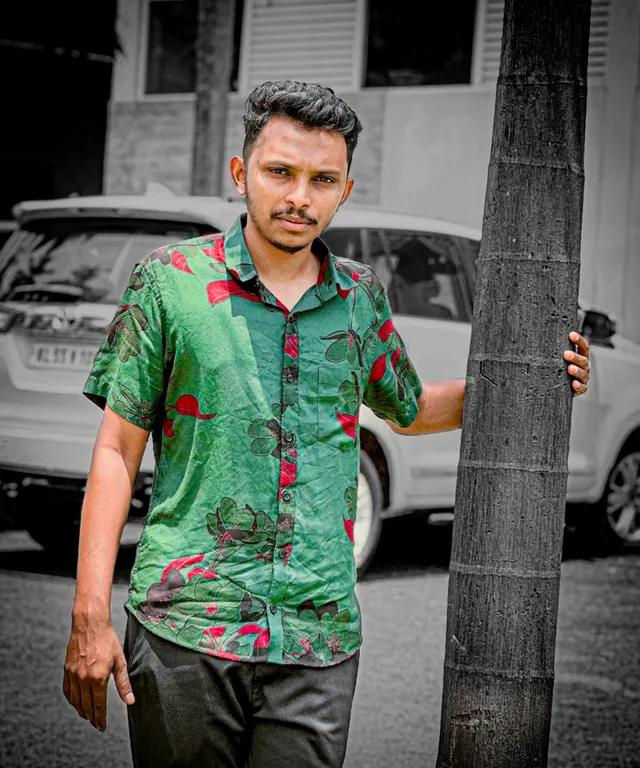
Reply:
x=54, y=525
x=616, y=517
x=368, y=525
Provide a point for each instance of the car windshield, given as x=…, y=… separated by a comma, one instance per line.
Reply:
x=73, y=260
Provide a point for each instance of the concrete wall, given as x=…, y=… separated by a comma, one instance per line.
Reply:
x=424, y=150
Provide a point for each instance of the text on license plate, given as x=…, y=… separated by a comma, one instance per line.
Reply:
x=64, y=356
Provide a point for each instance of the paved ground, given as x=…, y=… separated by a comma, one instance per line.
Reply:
x=596, y=719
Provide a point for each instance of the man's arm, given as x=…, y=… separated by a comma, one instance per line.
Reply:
x=94, y=651
x=441, y=401
x=440, y=409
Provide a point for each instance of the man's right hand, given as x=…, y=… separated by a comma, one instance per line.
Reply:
x=93, y=653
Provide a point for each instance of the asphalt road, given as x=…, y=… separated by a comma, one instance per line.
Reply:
x=596, y=716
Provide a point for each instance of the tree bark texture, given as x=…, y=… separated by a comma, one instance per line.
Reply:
x=512, y=473
x=214, y=62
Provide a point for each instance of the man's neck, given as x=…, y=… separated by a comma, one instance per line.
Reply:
x=277, y=266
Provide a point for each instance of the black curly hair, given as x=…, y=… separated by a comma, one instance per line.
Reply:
x=310, y=104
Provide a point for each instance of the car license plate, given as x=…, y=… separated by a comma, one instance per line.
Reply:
x=62, y=356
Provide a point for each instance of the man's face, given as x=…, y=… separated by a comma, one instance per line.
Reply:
x=294, y=181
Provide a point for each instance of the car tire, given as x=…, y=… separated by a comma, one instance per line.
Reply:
x=54, y=525
x=368, y=525
x=614, y=521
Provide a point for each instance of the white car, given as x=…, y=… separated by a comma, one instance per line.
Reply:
x=65, y=268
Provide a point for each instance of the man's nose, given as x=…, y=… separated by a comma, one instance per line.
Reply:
x=299, y=194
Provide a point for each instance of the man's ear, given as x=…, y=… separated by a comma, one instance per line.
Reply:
x=238, y=174
x=347, y=191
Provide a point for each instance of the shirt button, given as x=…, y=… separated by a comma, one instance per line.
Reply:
x=273, y=609
x=289, y=376
x=286, y=496
x=281, y=554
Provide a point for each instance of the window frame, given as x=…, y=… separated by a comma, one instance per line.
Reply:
x=142, y=61
x=461, y=285
x=475, y=85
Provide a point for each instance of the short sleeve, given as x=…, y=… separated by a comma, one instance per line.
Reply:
x=393, y=385
x=128, y=370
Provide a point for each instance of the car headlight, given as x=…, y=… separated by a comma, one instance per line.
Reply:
x=7, y=316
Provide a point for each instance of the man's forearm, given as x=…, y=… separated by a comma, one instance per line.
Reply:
x=440, y=409
x=104, y=514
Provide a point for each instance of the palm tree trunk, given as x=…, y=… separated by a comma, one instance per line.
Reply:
x=214, y=62
x=512, y=474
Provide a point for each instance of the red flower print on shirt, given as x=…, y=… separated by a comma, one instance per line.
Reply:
x=288, y=473
x=262, y=641
x=378, y=369
x=348, y=526
x=385, y=330
x=323, y=270
x=291, y=345
x=181, y=562
x=214, y=631
x=187, y=405
x=222, y=290
x=216, y=251
x=167, y=428
x=395, y=357
x=211, y=638
x=348, y=422
x=202, y=572
x=343, y=292
x=179, y=261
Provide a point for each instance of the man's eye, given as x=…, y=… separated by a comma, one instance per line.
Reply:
x=279, y=171
x=328, y=179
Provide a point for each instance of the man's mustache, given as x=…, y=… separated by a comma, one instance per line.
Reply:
x=292, y=213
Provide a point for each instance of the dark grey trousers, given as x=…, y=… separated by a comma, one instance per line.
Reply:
x=193, y=710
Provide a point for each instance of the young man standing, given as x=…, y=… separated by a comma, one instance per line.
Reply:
x=247, y=356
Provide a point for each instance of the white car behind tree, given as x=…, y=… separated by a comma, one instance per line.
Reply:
x=65, y=268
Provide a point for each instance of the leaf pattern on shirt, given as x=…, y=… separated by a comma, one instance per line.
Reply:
x=346, y=345
x=125, y=329
x=269, y=438
x=194, y=578
x=313, y=634
x=351, y=499
x=136, y=408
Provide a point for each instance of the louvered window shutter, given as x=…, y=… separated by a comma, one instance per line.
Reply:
x=490, y=39
x=313, y=41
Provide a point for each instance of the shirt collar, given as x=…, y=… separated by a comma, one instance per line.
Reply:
x=241, y=267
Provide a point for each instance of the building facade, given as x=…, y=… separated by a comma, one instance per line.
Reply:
x=425, y=95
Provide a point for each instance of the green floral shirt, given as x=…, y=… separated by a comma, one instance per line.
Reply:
x=247, y=549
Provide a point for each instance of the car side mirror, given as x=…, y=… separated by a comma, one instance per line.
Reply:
x=597, y=327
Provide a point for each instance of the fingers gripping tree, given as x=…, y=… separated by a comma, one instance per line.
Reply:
x=512, y=474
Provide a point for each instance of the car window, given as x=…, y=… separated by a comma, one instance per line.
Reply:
x=422, y=272
x=469, y=255
x=81, y=260
x=345, y=243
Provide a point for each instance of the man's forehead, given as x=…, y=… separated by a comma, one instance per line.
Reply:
x=288, y=139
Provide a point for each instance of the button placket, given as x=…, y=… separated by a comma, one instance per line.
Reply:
x=286, y=477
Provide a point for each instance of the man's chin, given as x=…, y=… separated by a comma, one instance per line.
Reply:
x=288, y=248
x=296, y=244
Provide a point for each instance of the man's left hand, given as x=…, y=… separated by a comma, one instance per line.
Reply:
x=579, y=367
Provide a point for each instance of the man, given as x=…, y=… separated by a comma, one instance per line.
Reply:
x=248, y=357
